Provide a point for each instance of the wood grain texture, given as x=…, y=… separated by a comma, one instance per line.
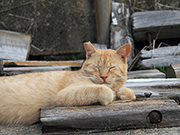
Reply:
x=159, y=62
x=120, y=27
x=168, y=21
x=14, y=45
x=173, y=71
x=118, y=115
x=145, y=74
x=38, y=63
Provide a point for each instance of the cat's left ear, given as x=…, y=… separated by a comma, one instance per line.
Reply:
x=124, y=52
x=90, y=49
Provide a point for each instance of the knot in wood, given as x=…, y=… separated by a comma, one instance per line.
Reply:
x=154, y=117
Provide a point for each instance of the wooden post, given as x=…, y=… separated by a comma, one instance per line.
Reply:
x=103, y=9
x=121, y=27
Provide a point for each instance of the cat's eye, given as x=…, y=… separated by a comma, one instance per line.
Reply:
x=111, y=68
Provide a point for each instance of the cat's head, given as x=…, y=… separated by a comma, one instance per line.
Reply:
x=106, y=66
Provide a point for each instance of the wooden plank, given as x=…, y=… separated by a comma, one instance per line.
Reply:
x=77, y=63
x=159, y=62
x=161, y=83
x=116, y=116
x=121, y=27
x=145, y=74
x=157, y=87
x=173, y=71
x=152, y=21
x=160, y=52
x=14, y=45
x=22, y=70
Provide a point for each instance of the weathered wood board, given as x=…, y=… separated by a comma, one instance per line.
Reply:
x=173, y=71
x=157, y=87
x=160, y=52
x=14, y=45
x=159, y=62
x=116, y=116
x=165, y=21
x=159, y=57
x=160, y=110
x=121, y=27
x=22, y=70
x=77, y=63
x=145, y=74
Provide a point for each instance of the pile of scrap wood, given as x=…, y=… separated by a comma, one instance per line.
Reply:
x=154, y=25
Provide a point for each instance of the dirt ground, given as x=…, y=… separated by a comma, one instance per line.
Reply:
x=36, y=130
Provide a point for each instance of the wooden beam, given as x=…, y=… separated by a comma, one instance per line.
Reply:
x=14, y=45
x=119, y=115
x=173, y=71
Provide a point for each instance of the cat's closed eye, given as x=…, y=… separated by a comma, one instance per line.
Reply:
x=111, y=68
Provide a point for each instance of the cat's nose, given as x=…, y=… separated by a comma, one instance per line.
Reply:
x=104, y=77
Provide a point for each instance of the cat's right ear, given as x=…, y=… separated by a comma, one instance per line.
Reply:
x=90, y=49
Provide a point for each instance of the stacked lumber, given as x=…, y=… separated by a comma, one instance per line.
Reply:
x=173, y=71
x=164, y=22
x=160, y=57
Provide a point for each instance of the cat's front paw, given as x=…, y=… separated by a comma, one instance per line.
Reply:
x=126, y=94
x=106, y=95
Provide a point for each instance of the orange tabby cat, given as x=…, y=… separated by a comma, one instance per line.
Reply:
x=100, y=80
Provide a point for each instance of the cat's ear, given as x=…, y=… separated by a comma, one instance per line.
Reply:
x=90, y=49
x=124, y=52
